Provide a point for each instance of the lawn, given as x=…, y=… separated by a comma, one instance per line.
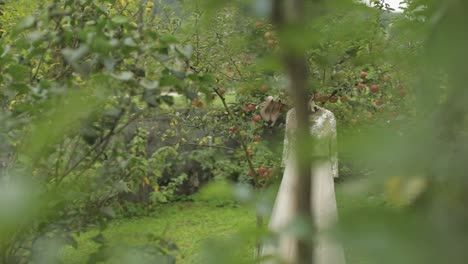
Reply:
x=219, y=225
x=190, y=225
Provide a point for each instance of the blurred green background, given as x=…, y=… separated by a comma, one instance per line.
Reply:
x=131, y=129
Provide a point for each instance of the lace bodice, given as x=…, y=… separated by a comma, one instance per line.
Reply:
x=323, y=128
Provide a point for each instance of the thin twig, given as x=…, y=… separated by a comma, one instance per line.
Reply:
x=218, y=36
x=104, y=142
x=241, y=139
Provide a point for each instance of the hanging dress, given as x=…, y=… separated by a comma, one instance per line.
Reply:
x=323, y=201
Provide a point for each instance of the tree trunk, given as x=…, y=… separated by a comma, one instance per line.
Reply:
x=287, y=14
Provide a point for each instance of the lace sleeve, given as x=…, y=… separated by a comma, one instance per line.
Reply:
x=333, y=147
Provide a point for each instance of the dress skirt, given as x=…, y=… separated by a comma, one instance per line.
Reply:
x=326, y=251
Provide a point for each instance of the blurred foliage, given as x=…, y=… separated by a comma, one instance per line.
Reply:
x=79, y=79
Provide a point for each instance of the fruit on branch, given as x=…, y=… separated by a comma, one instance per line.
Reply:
x=378, y=102
x=344, y=98
x=268, y=34
x=259, y=24
x=261, y=170
x=374, y=88
x=333, y=99
x=222, y=91
x=363, y=75
x=197, y=102
x=361, y=85
x=233, y=130
x=271, y=42
x=251, y=107
x=317, y=97
x=324, y=98
x=257, y=118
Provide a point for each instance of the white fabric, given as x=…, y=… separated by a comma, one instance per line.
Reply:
x=327, y=251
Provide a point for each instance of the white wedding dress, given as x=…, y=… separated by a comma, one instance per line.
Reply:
x=326, y=250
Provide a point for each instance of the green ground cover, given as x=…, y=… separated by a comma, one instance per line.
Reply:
x=190, y=225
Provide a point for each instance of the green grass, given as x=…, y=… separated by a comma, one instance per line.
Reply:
x=190, y=225
x=212, y=222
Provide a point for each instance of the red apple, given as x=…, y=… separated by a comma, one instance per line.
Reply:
x=257, y=118
x=378, y=102
x=251, y=107
x=361, y=85
x=261, y=170
x=233, y=130
x=222, y=90
x=268, y=34
x=271, y=42
x=317, y=97
x=197, y=102
x=363, y=75
x=374, y=88
x=333, y=99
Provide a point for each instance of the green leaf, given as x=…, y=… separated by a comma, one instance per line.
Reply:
x=99, y=238
x=148, y=84
x=120, y=19
x=108, y=211
x=21, y=88
x=151, y=98
x=70, y=240
x=186, y=51
x=168, y=99
x=121, y=187
x=27, y=22
x=169, y=80
x=180, y=75
x=72, y=55
x=101, y=45
x=130, y=42
x=168, y=39
x=18, y=72
x=123, y=76
x=112, y=113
